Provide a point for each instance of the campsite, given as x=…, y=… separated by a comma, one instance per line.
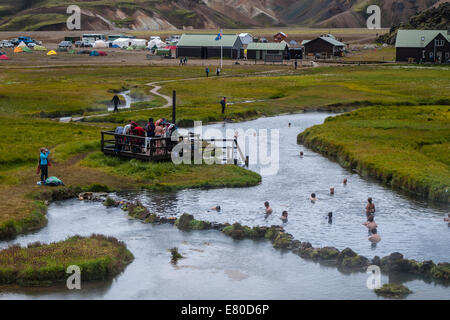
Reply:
x=304, y=132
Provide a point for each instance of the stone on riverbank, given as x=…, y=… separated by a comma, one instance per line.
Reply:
x=282, y=240
x=239, y=232
x=393, y=290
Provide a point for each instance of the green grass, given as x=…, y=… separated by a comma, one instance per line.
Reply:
x=98, y=257
x=168, y=176
x=405, y=147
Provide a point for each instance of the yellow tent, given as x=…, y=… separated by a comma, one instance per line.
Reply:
x=18, y=50
x=52, y=53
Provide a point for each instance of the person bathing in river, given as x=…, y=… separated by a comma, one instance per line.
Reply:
x=375, y=237
x=44, y=163
x=370, y=223
x=313, y=197
x=268, y=208
x=216, y=208
x=284, y=216
x=447, y=219
x=370, y=208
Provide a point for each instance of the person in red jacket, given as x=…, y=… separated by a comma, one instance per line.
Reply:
x=140, y=132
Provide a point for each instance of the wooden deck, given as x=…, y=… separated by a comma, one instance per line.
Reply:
x=226, y=151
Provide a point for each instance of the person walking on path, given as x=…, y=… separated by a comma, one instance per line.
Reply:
x=223, y=102
x=207, y=72
x=295, y=64
x=116, y=101
x=217, y=71
x=185, y=61
x=44, y=163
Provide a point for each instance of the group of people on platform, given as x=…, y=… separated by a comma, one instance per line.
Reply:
x=143, y=143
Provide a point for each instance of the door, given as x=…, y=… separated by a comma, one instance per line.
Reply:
x=204, y=53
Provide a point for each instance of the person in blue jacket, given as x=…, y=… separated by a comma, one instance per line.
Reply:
x=43, y=163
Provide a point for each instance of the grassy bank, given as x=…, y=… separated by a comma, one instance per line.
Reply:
x=28, y=95
x=98, y=257
x=405, y=147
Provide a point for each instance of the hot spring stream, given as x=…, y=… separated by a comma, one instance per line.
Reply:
x=218, y=267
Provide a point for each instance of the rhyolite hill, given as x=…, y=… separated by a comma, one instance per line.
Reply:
x=50, y=15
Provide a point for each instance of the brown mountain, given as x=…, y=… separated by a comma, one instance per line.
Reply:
x=171, y=14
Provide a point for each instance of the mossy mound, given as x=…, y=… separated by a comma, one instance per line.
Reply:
x=137, y=210
x=187, y=222
x=349, y=261
x=110, y=202
x=239, y=232
x=273, y=232
x=282, y=240
x=175, y=255
x=393, y=290
x=441, y=271
x=328, y=253
x=39, y=264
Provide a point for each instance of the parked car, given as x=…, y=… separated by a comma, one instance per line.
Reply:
x=25, y=40
x=6, y=44
x=31, y=44
x=65, y=45
x=83, y=44
x=15, y=41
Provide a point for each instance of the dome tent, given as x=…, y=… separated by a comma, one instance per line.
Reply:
x=4, y=57
x=102, y=54
x=22, y=45
x=156, y=42
x=26, y=49
x=18, y=50
x=100, y=44
x=94, y=53
x=52, y=53
x=39, y=48
x=122, y=42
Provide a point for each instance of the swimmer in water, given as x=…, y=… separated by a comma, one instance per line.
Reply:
x=301, y=154
x=370, y=208
x=216, y=208
x=313, y=197
x=332, y=191
x=284, y=216
x=447, y=219
x=330, y=217
x=268, y=208
x=345, y=181
x=370, y=223
x=375, y=237
x=289, y=124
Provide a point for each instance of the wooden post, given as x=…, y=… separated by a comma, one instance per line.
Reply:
x=174, y=107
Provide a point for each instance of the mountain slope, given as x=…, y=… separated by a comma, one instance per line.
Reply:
x=435, y=18
x=200, y=14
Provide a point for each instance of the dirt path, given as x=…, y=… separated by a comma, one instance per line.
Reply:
x=156, y=87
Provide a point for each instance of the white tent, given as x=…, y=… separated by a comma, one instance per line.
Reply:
x=100, y=44
x=138, y=42
x=22, y=45
x=123, y=42
x=246, y=38
x=156, y=42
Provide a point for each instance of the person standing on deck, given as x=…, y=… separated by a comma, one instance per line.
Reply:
x=43, y=163
x=223, y=102
x=116, y=102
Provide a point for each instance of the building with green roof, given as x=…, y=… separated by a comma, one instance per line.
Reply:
x=263, y=50
x=423, y=46
x=206, y=46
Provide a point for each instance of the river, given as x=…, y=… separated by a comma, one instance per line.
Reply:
x=217, y=267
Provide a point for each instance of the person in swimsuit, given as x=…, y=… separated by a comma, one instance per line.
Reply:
x=370, y=208
x=375, y=237
x=370, y=223
x=284, y=216
x=268, y=208
x=313, y=197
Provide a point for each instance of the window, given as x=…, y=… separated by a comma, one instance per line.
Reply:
x=447, y=55
x=439, y=43
x=423, y=54
x=431, y=55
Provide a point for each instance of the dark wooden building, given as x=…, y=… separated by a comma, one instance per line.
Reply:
x=205, y=46
x=423, y=46
x=324, y=46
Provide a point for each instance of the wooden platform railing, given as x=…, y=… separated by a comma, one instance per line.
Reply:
x=160, y=148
